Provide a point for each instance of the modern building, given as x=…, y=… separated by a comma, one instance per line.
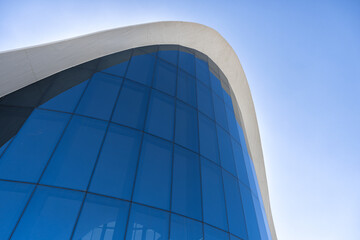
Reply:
x=146, y=132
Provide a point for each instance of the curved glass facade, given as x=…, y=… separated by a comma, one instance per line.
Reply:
x=143, y=145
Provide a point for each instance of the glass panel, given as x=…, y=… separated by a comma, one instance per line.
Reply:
x=118, y=69
x=131, y=106
x=67, y=100
x=186, y=88
x=186, y=129
x=73, y=161
x=102, y=218
x=226, y=152
x=147, y=223
x=240, y=164
x=170, y=56
x=202, y=71
x=36, y=140
x=13, y=197
x=51, y=214
x=186, y=194
x=220, y=112
x=232, y=123
x=141, y=69
x=208, y=139
x=3, y=147
x=115, y=170
x=204, y=100
x=185, y=229
x=214, y=234
x=234, y=206
x=153, y=178
x=160, y=118
x=216, y=85
x=227, y=100
x=99, y=97
x=213, y=195
x=165, y=77
x=187, y=62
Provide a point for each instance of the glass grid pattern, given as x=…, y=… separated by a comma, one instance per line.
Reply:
x=146, y=146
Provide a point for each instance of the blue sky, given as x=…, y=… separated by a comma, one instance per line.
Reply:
x=302, y=62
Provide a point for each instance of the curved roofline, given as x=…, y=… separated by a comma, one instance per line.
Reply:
x=25, y=66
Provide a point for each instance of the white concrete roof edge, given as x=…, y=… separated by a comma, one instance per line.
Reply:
x=21, y=67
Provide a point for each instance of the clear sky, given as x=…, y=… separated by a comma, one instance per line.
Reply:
x=302, y=61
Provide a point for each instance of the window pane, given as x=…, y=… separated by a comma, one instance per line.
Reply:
x=141, y=69
x=51, y=214
x=186, y=129
x=220, y=113
x=154, y=173
x=99, y=97
x=115, y=170
x=13, y=197
x=170, y=56
x=226, y=152
x=208, y=139
x=3, y=147
x=186, y=196
x=102, y=218
x=147, y=223
x=213, y=195
x=74, y=158
x=118, y=69
x=214, y=234
x=204, y=100
x=187, y=62
x=165, y=77
x=227, y=100
x=131, y=106
x=160, y=118
x=185, y=229
x=232, y=123
x=36, y=140
x=186, y=88
x=202, y=71
x=240, y=164
x=234, y=206
x=216, y=86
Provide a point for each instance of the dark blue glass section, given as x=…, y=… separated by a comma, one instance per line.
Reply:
x=186, y=189
x=165, y=77
x=147, y=223
x=186, y=88
x=153, y=178
x=130, y=109
x=115, y=170
x=3, y=147
x=51, y=214
x=102, y=218
x=204, y=100
x=141, y=69
x=234, y=206
x=227, y=100
x=214, y=234
x=185, y=229
x=99, y=97
x=216, y=85
x=240, y=164
x=66, y=101
x=186, y=129
x=13, y=197
x=73, y=161
x=208, y=139
x=226, y=152
x=27, y=155
x=170, y=56
x=232, y=123
x=160, y=118
x=202, y=71
x=187, y=62
x=213, y=195
x=220, y=112
x=118, y=70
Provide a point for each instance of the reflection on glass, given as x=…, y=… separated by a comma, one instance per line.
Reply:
x=185, y=229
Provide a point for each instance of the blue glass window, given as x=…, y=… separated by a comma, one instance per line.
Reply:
x=232, y=123
x=208, y=139
x=220, y=112
x=226, y=152
x=13, y=197
x=202, y=72
x=31, y=148
x=153, y=178
x=185, y=229
x=186, y=88
x=165, y=77
x=234, y=206
x=186, y=129
x=115, y=170
x=67, y=100
x=3, y=147
x=204, y=100
x=214, y=234
x=187, y=62
x=160, y=118
x=213, y=195
x=118, y=69
x=73, y=161
x=146, y=64
x=130, y=109
x=147, y=223
x=169, y=56
x=51, y=214
x=186, y=189
x=227, y=99
x=240, y=164
x=102, y=218
x=216, y=85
